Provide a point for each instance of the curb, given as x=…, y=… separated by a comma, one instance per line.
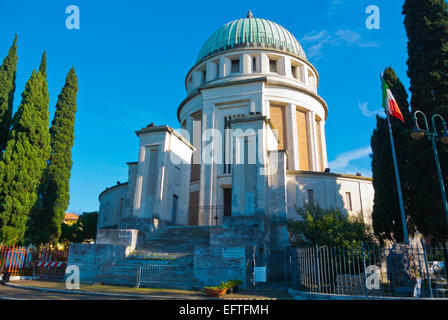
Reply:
x=141, y=296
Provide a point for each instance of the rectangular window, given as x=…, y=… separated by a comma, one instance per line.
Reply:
x=153, y=165
x=311, y=197
x=235, y=67
x=272, y=65
x=174, y=209
x=217, y=69
x=348, y=201
x=294, y=71
x=227, y=154
x=254, y=64
x=204, y=76
x=278, y=118
x=177, y=174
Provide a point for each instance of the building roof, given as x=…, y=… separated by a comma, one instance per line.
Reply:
x=252, y=33
x=71, y=216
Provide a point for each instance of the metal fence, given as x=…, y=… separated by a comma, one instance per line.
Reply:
x=29, y=261
x=159, y=275
x=372, y=270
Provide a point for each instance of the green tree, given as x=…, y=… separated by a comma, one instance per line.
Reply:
x=330, y=227
x=70, y=234
x=88, y=222
x=8, y=71
x=386, y=216
x=426, y=23
x=84, y=229
x=24, y=160
x=54, y=192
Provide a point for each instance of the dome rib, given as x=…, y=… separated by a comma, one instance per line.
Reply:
x=246, y=32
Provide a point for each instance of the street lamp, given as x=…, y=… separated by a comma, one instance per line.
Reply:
x=418, y=134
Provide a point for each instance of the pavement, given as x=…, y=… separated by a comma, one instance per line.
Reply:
x=49, y=290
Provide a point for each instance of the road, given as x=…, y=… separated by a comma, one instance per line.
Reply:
x=8, y=293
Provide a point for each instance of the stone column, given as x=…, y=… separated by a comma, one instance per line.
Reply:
x=324, y=145
x=277, y=196
x=248, y=177
x=264, y=63
x=225, y=66
x=137, y=201
x=207, y=185
x=211, y=71
x=160, y=200
x=310, y=118
x=293, y=144
x=266, y=109
x=284, y=66
x=197, y=77
x=287, y=67
x=189, y=128
x=247, y=63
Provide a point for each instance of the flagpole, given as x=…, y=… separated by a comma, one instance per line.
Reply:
x=397, y=177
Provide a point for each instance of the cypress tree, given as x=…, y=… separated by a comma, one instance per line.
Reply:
x=386, y=216
x=426, y=23
x=43, y=65
x=47, y=218
x=8, y=71
x=24, y=160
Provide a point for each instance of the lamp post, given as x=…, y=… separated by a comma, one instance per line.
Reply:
x=418, y=134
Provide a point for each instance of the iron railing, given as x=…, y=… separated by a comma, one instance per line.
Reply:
x=150, y=275
x=372, y=270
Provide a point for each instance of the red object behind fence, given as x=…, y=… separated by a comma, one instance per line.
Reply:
x=21, y=260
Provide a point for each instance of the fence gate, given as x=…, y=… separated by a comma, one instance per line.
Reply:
x=280, y=266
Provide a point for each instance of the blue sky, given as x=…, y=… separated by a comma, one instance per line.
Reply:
x=131, y=58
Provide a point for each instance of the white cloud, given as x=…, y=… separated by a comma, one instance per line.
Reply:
x=363, y=106
x=315, y=41
x=341, y=164
x=353, y=38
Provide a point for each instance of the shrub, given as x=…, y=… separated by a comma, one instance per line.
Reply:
x=329, y=227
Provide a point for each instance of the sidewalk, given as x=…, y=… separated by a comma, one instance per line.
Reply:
x=146, y=293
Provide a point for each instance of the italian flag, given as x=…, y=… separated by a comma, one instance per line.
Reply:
x=389, y=102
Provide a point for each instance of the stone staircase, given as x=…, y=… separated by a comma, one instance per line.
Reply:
x=168, y=246
x=175, y=239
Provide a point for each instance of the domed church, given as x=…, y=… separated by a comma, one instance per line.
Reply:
x=250, y=149
x=251, y=74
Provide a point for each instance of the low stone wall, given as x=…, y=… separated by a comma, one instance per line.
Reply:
x=144, y=225
x=214, y=264
x=87, y=257
x=122, y=237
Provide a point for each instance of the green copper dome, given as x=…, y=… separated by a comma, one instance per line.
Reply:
x=251, y=32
